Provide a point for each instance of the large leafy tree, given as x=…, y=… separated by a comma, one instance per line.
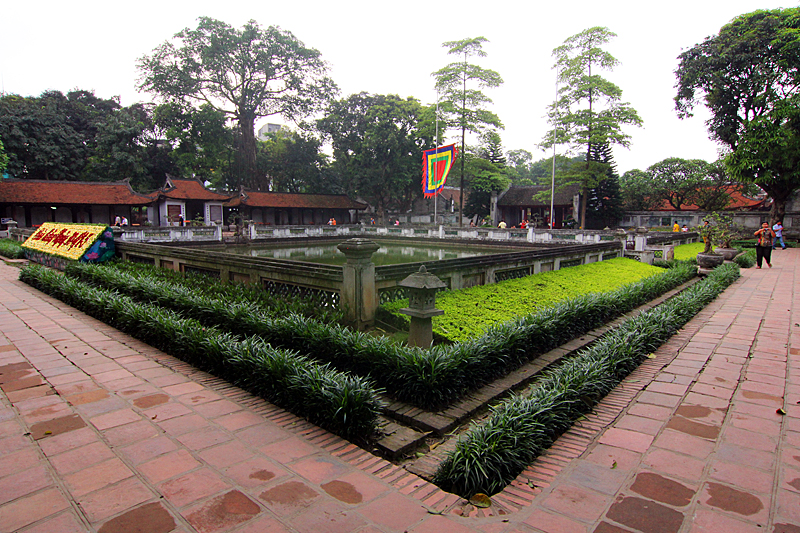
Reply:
x=677, y=180
x=748, y=76
x=293, y=162
x=588, y=111
x=51, y=136
x=129, y=145
x=246, y=73
x=462, y=102
x=199, y=142
x=3, y=158
x=377, y=147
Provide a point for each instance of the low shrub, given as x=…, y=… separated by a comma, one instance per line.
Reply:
x=468, y=313
x=248, y=293
x=426, y=378
x=746, y=259
x=344, y=404
x=11, y=249
x=490, y=455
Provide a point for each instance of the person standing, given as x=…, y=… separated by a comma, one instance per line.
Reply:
x=764, y=238
x=676, y=228
x=778, y=229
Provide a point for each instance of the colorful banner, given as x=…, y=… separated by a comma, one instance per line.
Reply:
x=436, y=164
x=87, y=242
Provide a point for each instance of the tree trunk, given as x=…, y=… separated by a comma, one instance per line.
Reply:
x=247, y=153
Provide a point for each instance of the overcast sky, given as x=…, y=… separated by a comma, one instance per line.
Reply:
x=383, y=48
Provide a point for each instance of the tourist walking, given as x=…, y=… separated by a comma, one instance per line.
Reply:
x=778, y=229
x=764, y=238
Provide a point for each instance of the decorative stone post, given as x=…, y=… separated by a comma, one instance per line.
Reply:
x=359, y=296
x=422, y=287
x=641, y=238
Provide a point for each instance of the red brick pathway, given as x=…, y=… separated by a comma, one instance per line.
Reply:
x=102, y=433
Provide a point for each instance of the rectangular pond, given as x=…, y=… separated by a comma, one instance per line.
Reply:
x=389, y=253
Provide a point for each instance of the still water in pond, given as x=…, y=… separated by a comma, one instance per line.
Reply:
x=387, y=254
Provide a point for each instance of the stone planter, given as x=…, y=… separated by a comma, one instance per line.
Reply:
x=727, y=253
x=710, y=260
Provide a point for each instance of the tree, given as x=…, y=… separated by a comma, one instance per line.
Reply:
x=677, y=180
x=748, y=76
x=492, y=148
x=292, y=162
x=130, y=146
x=588, y=111
x=464, y=108
x=638, y=194
x=50, y=137
x=246, y=74
x=199, y=141
x=3, y=158
x=485, y=178
x=604, y=203
x=378, y=142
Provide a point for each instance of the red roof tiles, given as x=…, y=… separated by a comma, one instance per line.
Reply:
x=15, y=191
x=289, y=200
x=190, y=189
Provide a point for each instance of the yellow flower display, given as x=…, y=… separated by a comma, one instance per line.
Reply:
x=64, y=240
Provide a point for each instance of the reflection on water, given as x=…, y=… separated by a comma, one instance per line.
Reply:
x=387, y=254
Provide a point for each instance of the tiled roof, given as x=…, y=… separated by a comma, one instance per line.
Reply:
x=15, y=191
x=190, y=189
x=290, y=200
x=523, y=196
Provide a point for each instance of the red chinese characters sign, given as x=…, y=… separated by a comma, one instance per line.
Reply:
x=64, y=240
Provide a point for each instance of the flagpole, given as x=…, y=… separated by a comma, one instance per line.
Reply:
x=436, y=144
x=553, y=180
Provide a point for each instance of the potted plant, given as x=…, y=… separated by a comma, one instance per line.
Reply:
x=726, y=232
x=711, y=233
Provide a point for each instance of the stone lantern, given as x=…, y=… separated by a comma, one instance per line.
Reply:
x=422, y=287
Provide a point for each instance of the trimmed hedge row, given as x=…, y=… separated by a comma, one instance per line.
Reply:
x=426, y=378
x=249, y=293
x=344, y=404
x=11, y=249
x=491, y=455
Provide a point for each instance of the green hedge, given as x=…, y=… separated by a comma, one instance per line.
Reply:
x=344, y=404
x=491, y=455
x=426, y=378
x=468, y=313
x=11, y=249
x=247, y=293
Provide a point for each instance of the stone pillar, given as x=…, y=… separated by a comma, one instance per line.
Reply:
x=422, y=287
x=359, y=298
x=640, y=239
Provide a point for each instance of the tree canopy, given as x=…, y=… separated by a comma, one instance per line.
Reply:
x=245, y=73
x=378, y=142
x=462, y=102
x=748, y=76
x=588, y=111
x=292, y=161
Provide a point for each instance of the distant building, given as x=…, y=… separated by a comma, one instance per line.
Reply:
x=267, y=129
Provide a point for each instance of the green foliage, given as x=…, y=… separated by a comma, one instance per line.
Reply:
x=246, y=74
x=468, y=313
x=196, y=295
x=11, y=249
x=747, y=76
x=588, y=111
x=746, y=259
x=293, y=162
x=684, y=252
x=344, y=404
x=3, y=157
x=492, y=454
x=377, y=146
